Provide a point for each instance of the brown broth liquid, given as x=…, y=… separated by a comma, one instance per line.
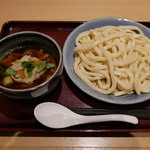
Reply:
x=38, y=53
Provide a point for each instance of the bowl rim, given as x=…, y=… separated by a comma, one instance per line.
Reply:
x=78, y=30
x=10, y=90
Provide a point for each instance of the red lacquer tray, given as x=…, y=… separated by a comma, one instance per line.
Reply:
x=18, y=116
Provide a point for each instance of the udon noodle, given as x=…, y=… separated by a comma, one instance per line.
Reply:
x=114, y=60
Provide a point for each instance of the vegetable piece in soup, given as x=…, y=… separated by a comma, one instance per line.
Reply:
x=25, y=68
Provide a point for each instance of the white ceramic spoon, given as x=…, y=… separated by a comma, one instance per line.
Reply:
x=54, y=115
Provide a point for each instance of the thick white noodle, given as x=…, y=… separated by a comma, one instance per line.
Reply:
x=114, y=60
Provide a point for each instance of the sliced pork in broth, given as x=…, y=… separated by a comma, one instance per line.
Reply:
x=26, y=68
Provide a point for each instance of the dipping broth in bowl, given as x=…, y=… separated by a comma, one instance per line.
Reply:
x=26, y=68
x=30, y=65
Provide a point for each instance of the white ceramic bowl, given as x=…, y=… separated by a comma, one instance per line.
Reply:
x=68, y=57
